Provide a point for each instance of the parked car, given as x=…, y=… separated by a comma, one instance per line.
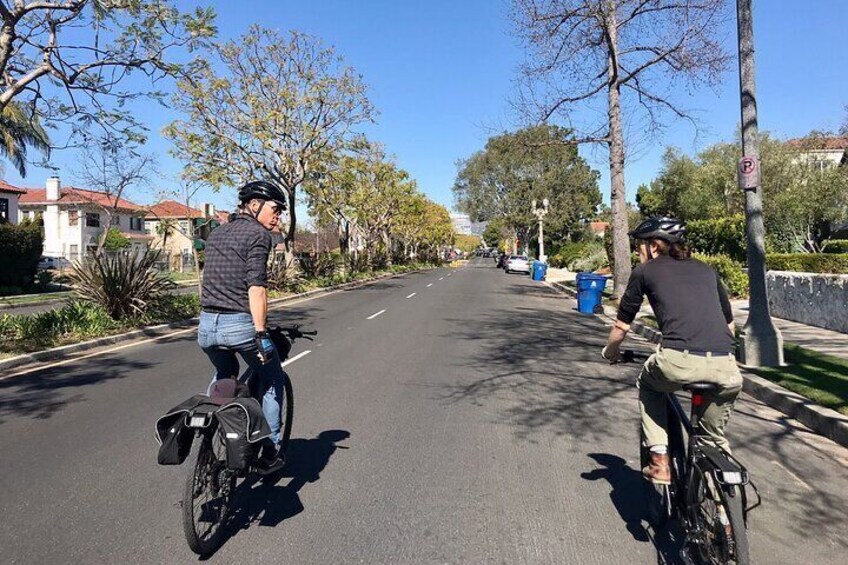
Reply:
x=518, y=264
x=51, y=263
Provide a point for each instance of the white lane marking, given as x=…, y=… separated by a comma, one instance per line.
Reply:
x=794, y=476
x=372, y=316
x=142, y=342
x=429, y=285
x=296, y=357
x=411, y=295
x=441, y=278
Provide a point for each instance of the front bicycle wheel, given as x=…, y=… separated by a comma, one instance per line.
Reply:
x=208, y=493
x=286, y=412
x=719, y=520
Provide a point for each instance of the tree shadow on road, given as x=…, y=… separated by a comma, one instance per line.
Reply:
x=43, y=393
x=627, y=496
x=264, y=502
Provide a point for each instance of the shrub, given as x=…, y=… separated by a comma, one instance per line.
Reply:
x=719, y=236
x=123, y=283
x=115, y=240
x=172, y=308
x=730, y=272
x=808, y=262
x=20, y=247
x=283, y=277
x=76, y=319
x=320, y=265
x=836, y=246
x=585, y=256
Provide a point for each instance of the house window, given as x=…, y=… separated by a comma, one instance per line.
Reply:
x=73, y=217
x=74, y=251
x=117, y=221
x=184, y=227
x=136, y=224
x=4, y=208
x=92, y=220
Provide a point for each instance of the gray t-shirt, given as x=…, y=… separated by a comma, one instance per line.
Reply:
x=236, y=259
x=689, y=302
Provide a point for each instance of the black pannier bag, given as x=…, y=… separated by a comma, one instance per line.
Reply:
x=173, y=433
x=243, y=426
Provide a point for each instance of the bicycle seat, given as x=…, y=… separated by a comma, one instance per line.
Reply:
x=700, y=387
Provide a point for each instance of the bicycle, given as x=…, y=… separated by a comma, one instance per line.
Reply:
x=707, y=493
x=211, y=481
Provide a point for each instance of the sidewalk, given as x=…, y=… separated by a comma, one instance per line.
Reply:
x=811, y=337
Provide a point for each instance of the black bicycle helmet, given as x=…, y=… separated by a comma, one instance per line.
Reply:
x=262, y=190
x=665, y=228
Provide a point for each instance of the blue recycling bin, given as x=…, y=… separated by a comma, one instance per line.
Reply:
x=590, y=290
x=539, y=271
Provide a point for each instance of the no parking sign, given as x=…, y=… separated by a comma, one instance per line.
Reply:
x=749, y=173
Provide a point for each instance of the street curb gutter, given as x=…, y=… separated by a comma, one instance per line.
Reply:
x=821, y=420
x=59, y=353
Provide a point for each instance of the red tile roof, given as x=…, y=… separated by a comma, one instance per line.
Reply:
x=172, y=209
x=6, y=187
x=71, y=195
x=819, y=143
x=598, y=227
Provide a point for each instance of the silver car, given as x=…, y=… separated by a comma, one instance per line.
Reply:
x=518, y=264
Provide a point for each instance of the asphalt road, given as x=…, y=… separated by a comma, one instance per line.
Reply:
x=470, y=422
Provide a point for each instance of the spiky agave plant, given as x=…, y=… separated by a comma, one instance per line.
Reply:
x=124, y=283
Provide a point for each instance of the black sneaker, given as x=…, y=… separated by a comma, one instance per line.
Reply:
x=272, y=460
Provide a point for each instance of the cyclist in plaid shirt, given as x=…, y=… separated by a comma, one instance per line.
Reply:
x=234, y=303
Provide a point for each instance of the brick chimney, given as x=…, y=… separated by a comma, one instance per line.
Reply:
x=53, y=185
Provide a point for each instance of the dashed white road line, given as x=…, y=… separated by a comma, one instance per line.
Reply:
x=372, y=316
x=441, y=278
x=429, y=285
x=296, y=357
x=411, y=295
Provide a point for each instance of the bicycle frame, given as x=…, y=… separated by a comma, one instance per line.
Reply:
x=724, y=469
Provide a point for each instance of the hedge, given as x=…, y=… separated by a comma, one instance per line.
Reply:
x=730, y=272
x=20, y=247
x=588, y=255
x=808, y=262
x=719, y=236
x=836, y=246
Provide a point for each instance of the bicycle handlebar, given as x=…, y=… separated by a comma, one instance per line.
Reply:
x=294, y=332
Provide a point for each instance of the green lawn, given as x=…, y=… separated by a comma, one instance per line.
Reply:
x=37, y=299
x=821, y=378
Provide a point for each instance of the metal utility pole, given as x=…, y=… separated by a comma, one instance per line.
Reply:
x=540, y=214
x=761, y=344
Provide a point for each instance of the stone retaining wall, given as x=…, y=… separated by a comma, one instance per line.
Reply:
x=809, y=298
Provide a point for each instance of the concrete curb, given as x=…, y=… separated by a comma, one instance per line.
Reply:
x=59, y=353
x=824, y=421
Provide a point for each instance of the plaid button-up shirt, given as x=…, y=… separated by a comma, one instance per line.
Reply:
x=236, y=259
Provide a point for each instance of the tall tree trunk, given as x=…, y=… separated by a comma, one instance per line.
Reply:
x=618, y=202
x=289, y=240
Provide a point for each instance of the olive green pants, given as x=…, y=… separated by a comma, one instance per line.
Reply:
x=668, y=370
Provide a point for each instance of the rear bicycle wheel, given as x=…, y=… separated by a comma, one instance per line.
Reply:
x=719, y=522
x=207, y=496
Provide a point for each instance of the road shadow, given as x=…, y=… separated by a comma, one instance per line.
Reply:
x=43, y=393
x=627, y=496
x=265, y=502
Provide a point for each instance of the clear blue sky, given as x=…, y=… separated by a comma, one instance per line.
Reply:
x=441, y=74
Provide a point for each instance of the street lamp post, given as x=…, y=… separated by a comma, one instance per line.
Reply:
x=761, y=343
x=541, y=213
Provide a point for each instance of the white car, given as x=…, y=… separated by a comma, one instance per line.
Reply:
x=518, y=264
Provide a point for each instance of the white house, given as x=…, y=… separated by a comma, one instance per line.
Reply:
x=9, y=196
x=822, y=152
x=74, y=218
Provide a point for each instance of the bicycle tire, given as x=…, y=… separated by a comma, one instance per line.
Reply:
x=286, y=412
x=206, y=474
x=715, y=547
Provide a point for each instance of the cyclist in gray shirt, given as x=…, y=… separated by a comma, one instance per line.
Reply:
x=694, y=316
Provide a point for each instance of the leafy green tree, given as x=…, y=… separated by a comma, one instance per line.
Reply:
x=115, y=240
x=267, y=105
x=67, y=62
x=534, y=163
x=19, y=132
